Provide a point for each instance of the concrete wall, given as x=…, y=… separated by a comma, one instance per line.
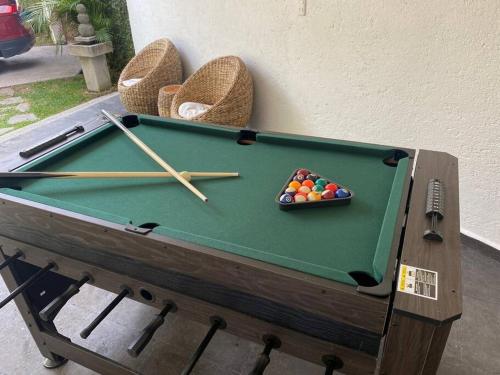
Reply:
x=418, y=73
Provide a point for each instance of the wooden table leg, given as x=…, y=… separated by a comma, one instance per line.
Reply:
x=413, y=346
x=29, y=312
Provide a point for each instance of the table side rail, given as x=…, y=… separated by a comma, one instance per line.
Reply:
x=443, y=257
x=67, y=233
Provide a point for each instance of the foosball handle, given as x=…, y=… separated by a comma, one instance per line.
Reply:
x=147, y=333
x=18, y=255
x=217, y=324
x=50, y=311
x=28, y=283
x=332, y=363
x=261, y=364
x=126, y=291
x=272, y=342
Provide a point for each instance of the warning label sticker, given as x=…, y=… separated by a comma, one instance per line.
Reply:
x=418, y=281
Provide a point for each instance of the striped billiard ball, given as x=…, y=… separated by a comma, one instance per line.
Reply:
x=286, y=198
x=327, y=194
x=312, y=177
x=318, y=188
x=299, y=177
x=300, y=197
x=304, y=189
x=313, y=196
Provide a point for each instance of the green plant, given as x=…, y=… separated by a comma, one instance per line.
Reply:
x=42, y=13
x=121, y=37
x=109, y=18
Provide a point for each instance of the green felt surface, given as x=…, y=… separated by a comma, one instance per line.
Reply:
x=241, y=216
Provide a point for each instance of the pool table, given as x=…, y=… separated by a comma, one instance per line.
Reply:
x=327, y=281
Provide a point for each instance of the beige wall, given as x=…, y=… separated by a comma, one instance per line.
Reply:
x=418, y=73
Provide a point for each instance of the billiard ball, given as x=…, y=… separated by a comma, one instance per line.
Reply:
x=327, y=194
x=286, y=198
x=342, y=193
x=313, y=196
x=299, y=177
x=318, y=188
x=295, y=185
x=312, y=177
x=290, y=191
x=304, y=189
x=321, y=181
x=308, y=183
x=303, y=172
x=333, y=187
x=300, y=197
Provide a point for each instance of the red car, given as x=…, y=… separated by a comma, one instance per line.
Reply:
x=14, y=37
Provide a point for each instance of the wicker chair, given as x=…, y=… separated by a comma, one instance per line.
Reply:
x=158, y=65
x=224, y=83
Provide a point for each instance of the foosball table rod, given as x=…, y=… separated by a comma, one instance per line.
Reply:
x=11, y=259
x=90, y=328
x=217, y=323
x=49, y=312
x=29, y=282
x=147, y=333
x=271, y=342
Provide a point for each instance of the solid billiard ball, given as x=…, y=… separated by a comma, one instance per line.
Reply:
x=308, y=183
x=295, y=185
x=321, y=181
x=303, y=172
x=286, y=198
x=342, y=193
x=313, y=196
x=304, y=189
x=299, y=177
x=333, y=187
x=300, y=197
x=312, y=177
x=327, y=194
x=318, y=188
x=290, y=191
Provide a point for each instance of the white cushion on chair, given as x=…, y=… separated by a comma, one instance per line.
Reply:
x=189, y=110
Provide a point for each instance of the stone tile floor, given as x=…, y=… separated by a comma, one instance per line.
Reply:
x=9, y=102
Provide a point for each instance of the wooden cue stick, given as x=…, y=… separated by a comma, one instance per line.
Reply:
x=65, y=174
x=154, y=156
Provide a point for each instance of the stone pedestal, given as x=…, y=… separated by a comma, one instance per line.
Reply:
x=94, y=65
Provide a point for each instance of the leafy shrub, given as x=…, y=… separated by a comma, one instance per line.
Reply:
x=109, y=18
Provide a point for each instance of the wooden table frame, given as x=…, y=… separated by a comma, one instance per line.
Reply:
x=312, y=316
